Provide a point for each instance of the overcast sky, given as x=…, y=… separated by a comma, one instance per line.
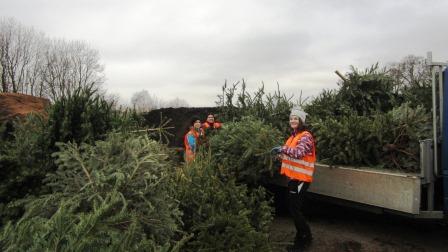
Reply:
x=186, y=49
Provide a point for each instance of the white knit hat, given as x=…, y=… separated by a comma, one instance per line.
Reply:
x=298, y=111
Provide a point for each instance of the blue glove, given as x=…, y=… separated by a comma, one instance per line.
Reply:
x=276, y=150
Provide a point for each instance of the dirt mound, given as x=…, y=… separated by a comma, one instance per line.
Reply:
x=18, y=105
x=180, y=120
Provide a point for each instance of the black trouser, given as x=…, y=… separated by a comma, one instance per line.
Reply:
x=296, y=196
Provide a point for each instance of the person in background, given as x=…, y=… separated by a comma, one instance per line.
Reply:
x=298, y=156
x=210, y=123
x=192, y=139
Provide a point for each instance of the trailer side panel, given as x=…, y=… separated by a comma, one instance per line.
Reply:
x=396, y=191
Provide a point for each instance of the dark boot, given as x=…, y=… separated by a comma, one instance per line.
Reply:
x=303, y=242
x=294, y=248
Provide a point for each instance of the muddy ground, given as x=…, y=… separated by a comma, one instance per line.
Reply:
x=339, y=228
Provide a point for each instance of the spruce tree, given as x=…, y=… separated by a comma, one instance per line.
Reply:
x=113, y=195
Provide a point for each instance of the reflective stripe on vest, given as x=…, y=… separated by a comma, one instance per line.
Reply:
x=298, y=161
x=300, y=169
x=297, y=169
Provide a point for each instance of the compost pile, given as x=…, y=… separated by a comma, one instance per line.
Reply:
x=18, y=105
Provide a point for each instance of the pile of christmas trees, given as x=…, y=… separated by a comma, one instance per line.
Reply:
x=90, y=181
x=88, y=178
x=375, y=118
x=372, y=120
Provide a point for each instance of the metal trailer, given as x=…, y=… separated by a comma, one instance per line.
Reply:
x=369, y=189
x=412, y=194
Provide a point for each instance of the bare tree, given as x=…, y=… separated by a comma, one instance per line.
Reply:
x=177, y=103
x=68, y=66
x=143, y=101
x=33, y=64
x=116, y=100
x=4, y=49
x=17, y=52
x=411, y=72
x=34, y=71
x=5, y=45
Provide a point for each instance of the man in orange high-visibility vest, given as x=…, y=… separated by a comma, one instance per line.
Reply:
x=298, y=156
x=210, y=123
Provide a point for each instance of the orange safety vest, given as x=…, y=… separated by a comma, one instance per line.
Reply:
x=216, y=125
x=189, y=153
x=299, y=169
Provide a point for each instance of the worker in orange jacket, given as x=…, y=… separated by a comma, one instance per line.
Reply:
x=210, y=123
x=298, y=156
x=192, y=139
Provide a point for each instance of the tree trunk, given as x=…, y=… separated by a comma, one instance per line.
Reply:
x=4, y=84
